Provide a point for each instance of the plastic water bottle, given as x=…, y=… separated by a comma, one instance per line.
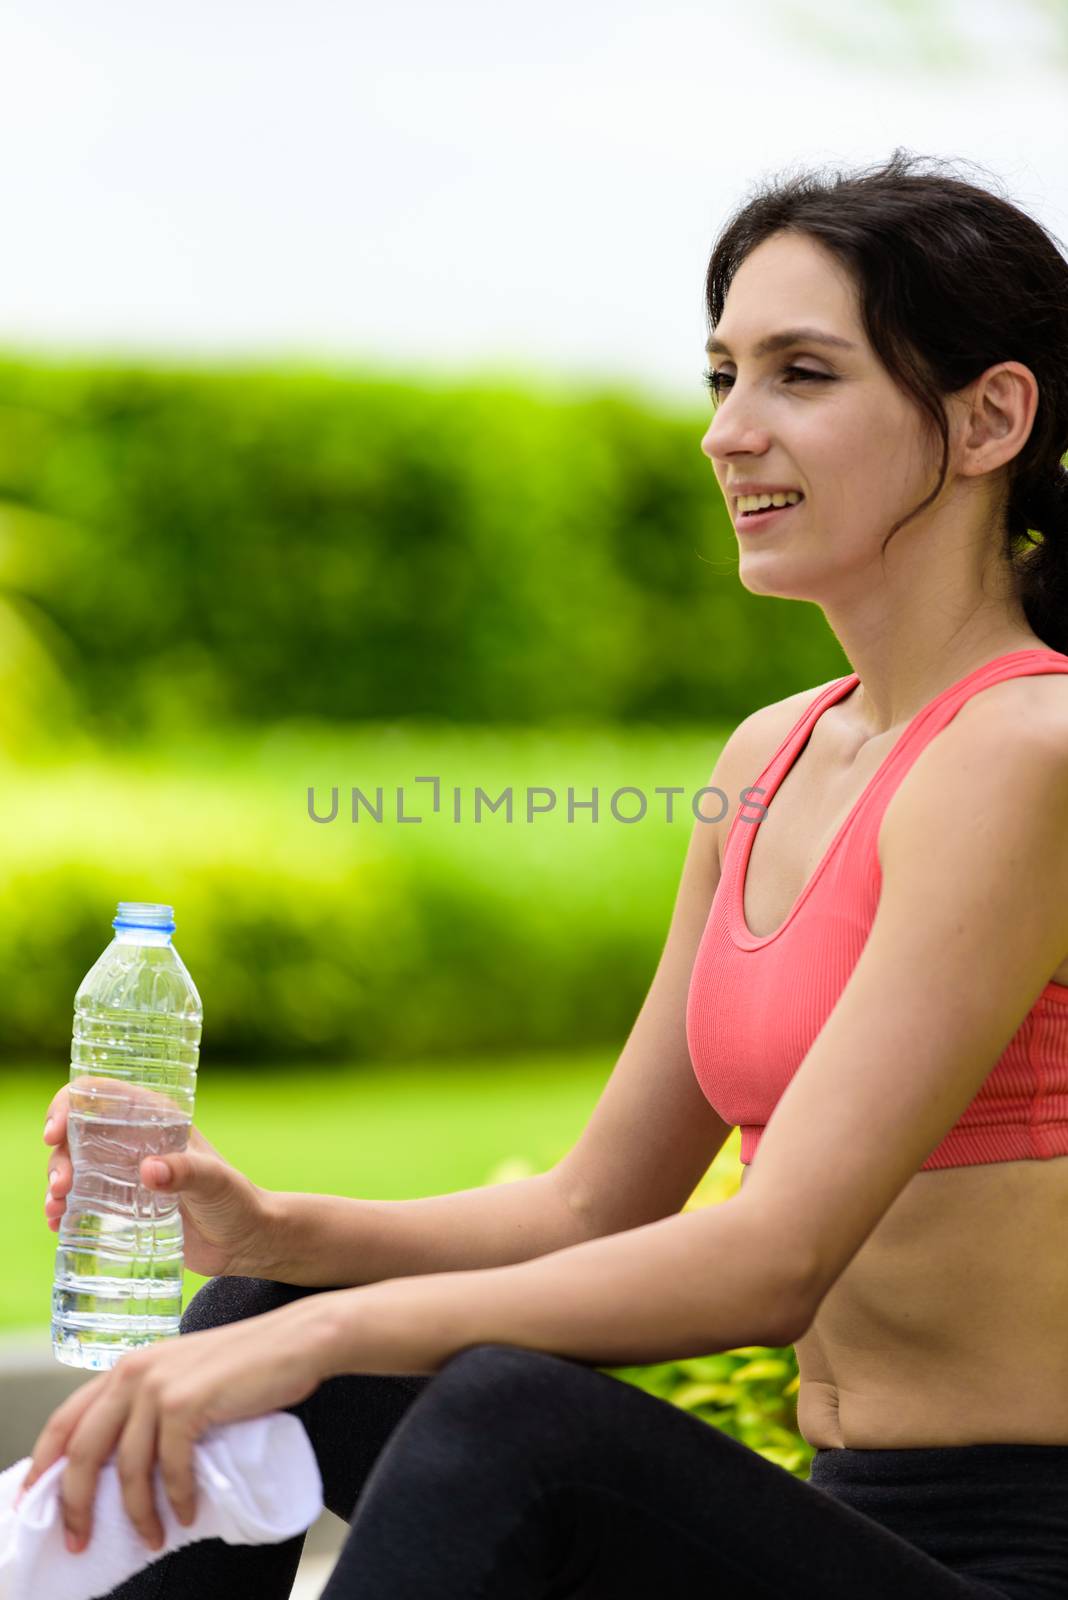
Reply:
x=137, y=1023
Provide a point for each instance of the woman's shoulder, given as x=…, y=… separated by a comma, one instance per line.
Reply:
x=759, y=735
x=753, y=743
x=1034, y=702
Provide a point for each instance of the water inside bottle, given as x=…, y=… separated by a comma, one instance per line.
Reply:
x=118, y=1272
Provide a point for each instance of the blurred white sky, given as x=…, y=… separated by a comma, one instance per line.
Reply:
x=479, y=183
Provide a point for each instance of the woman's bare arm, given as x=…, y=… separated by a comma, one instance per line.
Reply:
x=326, y=1240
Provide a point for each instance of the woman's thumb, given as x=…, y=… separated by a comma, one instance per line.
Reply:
x=178, y=1171
x=188, y=1170
x=159, y=1172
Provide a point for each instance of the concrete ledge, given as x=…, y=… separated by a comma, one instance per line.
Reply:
x=33, y=1383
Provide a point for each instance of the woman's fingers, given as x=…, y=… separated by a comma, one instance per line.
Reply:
x=135, y=1462
x=60, y=1172
x=86, y=1429
x=94, y=1437
x=55, y=1128
x=60, y=1180
x=52, y=1439
x=60, y=1168
x=176, y=1464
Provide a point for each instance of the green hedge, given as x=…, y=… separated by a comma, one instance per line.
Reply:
x=200, y=546
x=347, y=941
x=748, y=1393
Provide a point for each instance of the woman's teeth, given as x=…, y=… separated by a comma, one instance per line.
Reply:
x=764, y=502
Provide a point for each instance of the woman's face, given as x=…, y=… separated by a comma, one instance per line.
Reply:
x=824, y=419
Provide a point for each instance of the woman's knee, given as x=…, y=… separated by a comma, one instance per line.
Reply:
x=514, y=1396
x=489, y=1431
x=223, y=1300
x=505, y=1369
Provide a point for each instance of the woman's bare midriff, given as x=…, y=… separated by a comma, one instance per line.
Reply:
x=950, y=1324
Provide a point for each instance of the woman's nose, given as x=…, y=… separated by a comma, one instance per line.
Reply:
x=728, y=436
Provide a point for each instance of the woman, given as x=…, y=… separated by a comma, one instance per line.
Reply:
x=884, y=966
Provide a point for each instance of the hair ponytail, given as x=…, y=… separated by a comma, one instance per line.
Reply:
x=1041, y=505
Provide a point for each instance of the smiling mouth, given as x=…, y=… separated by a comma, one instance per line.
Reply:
x=751, y=520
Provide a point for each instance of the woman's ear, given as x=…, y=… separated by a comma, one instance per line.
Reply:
x=1002, y=405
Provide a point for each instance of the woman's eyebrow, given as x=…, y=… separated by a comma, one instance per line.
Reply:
x=780, y=341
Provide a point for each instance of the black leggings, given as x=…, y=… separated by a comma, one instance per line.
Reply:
x=514, y=1475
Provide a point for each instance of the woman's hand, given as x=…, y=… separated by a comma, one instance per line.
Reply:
x=224, y=1222
x=155, y=1402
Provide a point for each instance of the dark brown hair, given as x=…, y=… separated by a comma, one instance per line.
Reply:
x=952, y=278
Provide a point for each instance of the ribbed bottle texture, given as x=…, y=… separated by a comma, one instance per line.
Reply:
x=134, y=1053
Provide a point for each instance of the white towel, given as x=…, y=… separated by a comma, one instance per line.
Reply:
x=257, y=1483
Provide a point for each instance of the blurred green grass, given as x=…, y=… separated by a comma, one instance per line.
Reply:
x=380, y=1132
x=218, y=821
x=393, y=1131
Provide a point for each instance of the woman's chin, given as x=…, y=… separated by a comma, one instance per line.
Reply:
x=772, y=579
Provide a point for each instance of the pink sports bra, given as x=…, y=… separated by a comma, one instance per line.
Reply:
x=755, y=1005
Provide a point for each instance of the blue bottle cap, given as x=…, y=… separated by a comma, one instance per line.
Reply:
x=142, y=914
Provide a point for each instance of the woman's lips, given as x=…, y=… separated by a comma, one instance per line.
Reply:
x=749, y=522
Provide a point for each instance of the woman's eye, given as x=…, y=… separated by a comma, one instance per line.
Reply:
x=717, y=380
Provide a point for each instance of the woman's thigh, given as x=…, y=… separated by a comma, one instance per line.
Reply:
x=520, y=1474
